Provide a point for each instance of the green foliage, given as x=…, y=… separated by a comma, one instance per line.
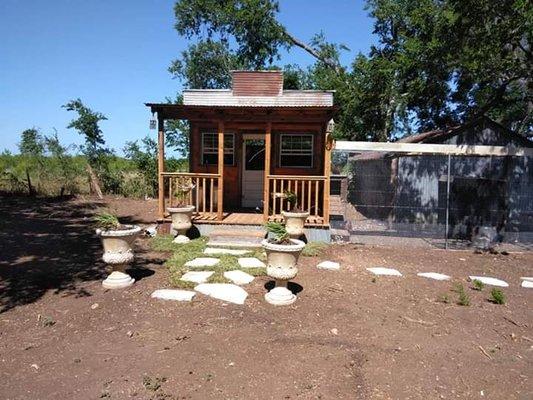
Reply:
x=436, y=63
x=106, y=221
x=478, y=285
x=182, y=189
x=314, y=249
x=464, y=299
x=291, y=198
x=144, y=157
x=278, y=231
x=32, y=143
x=497, y=296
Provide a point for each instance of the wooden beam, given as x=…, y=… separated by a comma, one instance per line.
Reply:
x=266, y=183
x=220, y=209
x=327, y=172
x=161, y=167
x=426, y=148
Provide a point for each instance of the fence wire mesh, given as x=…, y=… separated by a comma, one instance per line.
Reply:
x=433, y=200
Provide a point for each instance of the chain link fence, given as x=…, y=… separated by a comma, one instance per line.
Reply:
x=433, y=200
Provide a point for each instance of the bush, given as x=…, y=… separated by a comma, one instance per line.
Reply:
x=497, y=296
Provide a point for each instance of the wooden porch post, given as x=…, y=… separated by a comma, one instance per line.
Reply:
x=327, y=169
x=161, y=166
x=220, y=209
x=266, y=183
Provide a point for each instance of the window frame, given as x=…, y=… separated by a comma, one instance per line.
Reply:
x=282, y=154
x=227, y=150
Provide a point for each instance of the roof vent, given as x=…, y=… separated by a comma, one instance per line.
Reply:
x=257, y=83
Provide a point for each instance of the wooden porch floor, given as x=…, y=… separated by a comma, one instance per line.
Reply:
x=248, y=218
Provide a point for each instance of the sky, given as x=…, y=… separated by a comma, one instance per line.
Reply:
x=114, y=55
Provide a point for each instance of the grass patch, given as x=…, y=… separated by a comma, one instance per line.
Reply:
x=478, y=285
x=314, y=249
x=444, y=298
x=463, y=300
x=182, y=253
x=497, y=296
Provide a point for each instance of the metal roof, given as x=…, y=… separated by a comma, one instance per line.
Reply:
x=288, y=98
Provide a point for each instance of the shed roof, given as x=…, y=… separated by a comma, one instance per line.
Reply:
x=287, y=98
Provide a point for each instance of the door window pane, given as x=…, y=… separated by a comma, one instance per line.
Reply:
x=255, y=155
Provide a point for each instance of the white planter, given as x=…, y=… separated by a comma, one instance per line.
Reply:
x=294, y=222
x=282, y=265
x=181, y=221
x=118, y=253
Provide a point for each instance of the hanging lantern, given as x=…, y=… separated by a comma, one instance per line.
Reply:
x=153, y=123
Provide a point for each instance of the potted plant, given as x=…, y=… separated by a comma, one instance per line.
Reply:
x=282, y=259
x=294, y=218
x=181, y=214
x=117, y=240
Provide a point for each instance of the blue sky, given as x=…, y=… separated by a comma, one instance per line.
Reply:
x=114, y=55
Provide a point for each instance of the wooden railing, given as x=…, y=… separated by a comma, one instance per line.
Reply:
x=310, y=191
x=204, y=195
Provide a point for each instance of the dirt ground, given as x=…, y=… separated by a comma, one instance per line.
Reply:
x=348, y=336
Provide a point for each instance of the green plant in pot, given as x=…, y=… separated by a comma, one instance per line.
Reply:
x=117, y=241
x=294, y=218
x=282, y=262
x=181, y=213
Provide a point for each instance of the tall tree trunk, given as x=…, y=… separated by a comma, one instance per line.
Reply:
x=30, y=187
x=95, y=185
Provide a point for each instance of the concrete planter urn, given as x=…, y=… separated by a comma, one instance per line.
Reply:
x=282, y=265
x=294, y=222
x=181, y=221
x=118, y=253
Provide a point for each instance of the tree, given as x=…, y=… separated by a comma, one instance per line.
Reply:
x=437, y=62
x=87, y=125
x=31, y=143
x=144, y=156
x=60, y=159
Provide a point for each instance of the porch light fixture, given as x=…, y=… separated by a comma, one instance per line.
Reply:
x=153, y=122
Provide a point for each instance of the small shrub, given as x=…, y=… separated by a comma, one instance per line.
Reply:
x=478, y=285
x=464, y=300
x=278, y=232
x=444, y=298
x=497, y=296
x=106, y=221
x=153, y=384
x=314, y=249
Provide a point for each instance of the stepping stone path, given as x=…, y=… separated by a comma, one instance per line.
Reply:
x=487, y=280
x=527, y=282
x=251, y=262
x=329, y=265
x=173, y=294
x=384, y=271
x=223, y=291
x=202, y=262
x=238, y=277
x=232, y=252
x=434, y=275
x=197, y=276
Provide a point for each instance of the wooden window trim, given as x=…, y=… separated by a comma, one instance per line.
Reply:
x=230, y=150
x=297, y=135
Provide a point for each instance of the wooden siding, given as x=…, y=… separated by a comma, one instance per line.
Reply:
x=257, y=83
x=232, y=173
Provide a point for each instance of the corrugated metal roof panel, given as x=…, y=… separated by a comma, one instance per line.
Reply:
x=289, y=98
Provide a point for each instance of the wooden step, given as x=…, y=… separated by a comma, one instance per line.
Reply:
x=241, y=238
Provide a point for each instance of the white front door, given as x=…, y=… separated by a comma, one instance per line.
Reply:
x=253, y=170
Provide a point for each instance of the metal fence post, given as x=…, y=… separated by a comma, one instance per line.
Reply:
x=447, y=203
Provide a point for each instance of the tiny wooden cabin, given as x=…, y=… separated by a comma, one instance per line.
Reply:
x=248, y=145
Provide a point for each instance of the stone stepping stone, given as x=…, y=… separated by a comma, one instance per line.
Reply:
x=251, y=262
x=331, y=265
x=527, y=282
x=434, y=275
x=384, y=271
x=238, y=277
x=487, y=280
x=173, y=294
x=232, y=252
x=223, y=291
x=197, y=276
x=201, y=262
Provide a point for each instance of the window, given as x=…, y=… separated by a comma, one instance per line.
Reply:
x=296, y=151
x=210, y=148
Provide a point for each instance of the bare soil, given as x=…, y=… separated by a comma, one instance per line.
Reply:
x=348, y=336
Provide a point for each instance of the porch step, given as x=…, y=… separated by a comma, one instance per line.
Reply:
x=241, y=238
